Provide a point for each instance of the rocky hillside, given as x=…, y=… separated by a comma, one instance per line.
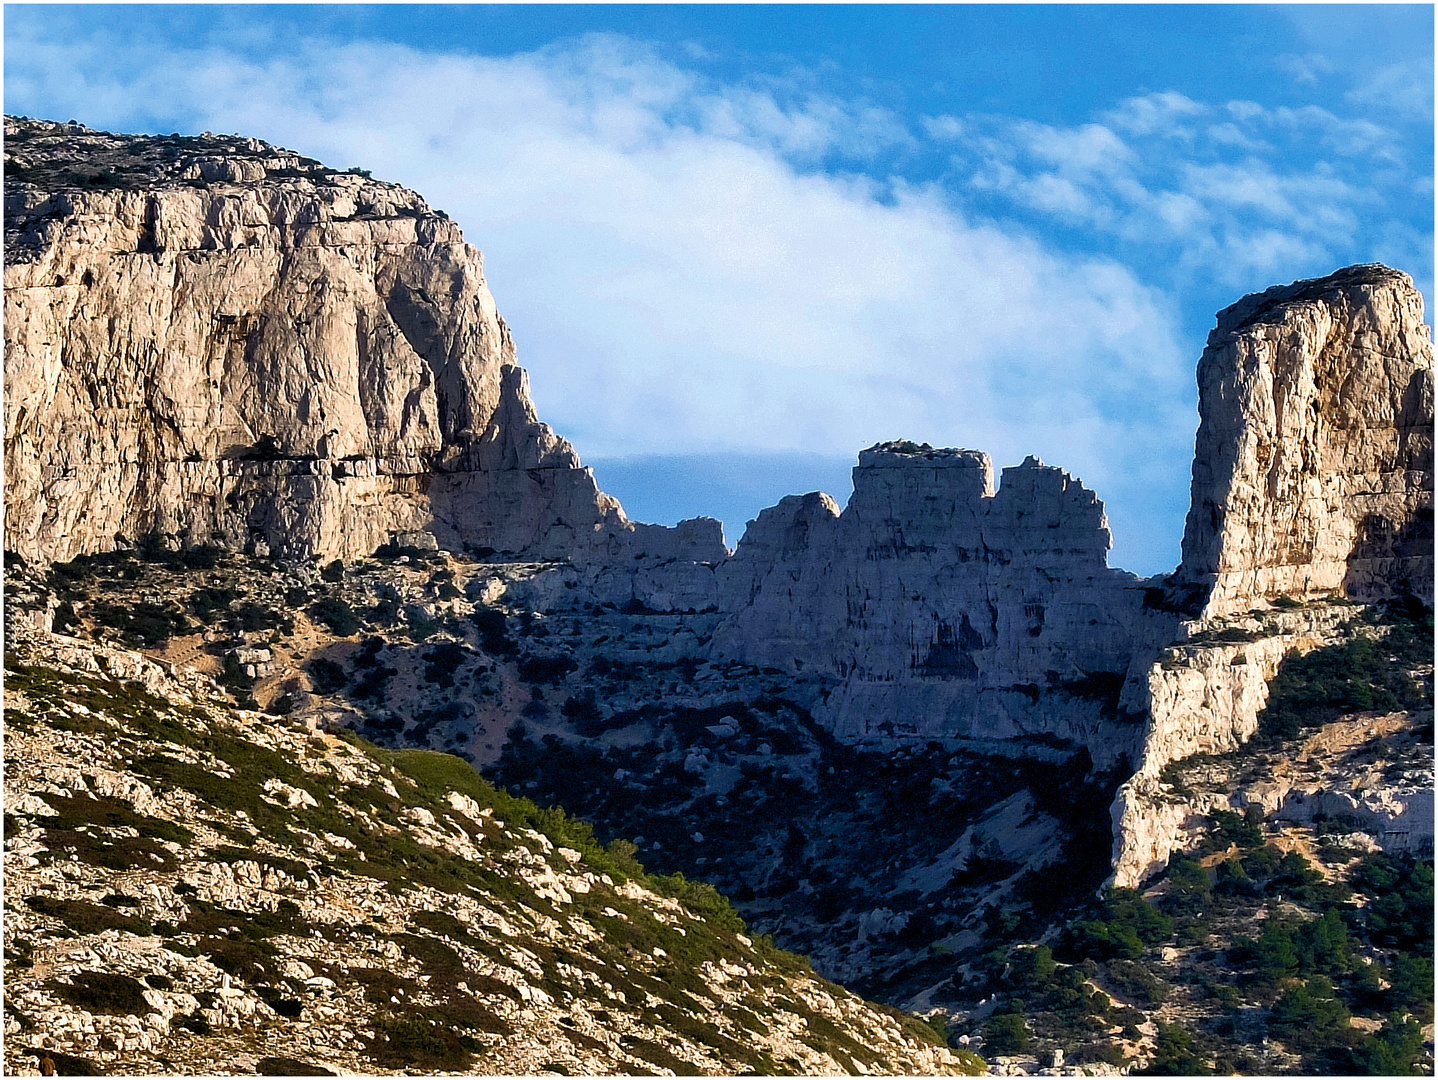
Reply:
x=1288, y=929
x=264, y=422
x=195, y=889
x=861, y=857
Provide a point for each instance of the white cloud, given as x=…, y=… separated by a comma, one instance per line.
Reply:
x=680, y=277
x=1156, y=114
x=942, y=127
x=1306, y=68
x=1406, y=87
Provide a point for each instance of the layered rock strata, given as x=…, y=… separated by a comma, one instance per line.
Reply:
x=1313, y=472
x=1202, y=697
x=943, y=606
x=221, y=341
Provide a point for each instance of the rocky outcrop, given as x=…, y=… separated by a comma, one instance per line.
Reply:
x=1371, y=774
x=1313, y=472
x=944, y=606
x=1202, y=697
x=219, y=341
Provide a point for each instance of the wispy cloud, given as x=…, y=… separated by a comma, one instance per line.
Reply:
x=1406, y=86
x=677, y=273
x=1235, y=193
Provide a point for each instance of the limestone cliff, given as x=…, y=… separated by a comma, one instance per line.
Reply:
x=944, y=606
x=1200, y=696
x=1313, y=472
x=221, y=341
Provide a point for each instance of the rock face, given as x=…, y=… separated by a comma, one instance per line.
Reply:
x=224, y=342
x=1313, y=473
x=1201, y=697
x=944, y=606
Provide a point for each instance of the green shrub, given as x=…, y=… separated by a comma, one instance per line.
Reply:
x=326, y=676
x=411, y=1039
x=1411, y=989
x=1137, y=982
x=288, y=1066
x=337, y=616
x=1400, y=912
x=139, y=622
x=1006, y=1033
x=442, y=661
x=1309, y=1015
x=66, y=1064
x=1032, y=969
x=1323, y=945
x=1396, y=1050
x=1363, y=673
x=1174, y=1055
x=206, y=603
x=494, y=634
x=86, y=918
x=545, y=669
x=1227, y=827
x=656, y=1054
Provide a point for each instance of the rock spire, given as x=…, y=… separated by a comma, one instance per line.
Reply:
x=1313, y=470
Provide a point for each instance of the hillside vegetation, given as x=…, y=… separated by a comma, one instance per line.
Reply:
x=196, y=889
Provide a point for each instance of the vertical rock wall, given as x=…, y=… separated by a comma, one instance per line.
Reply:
x=1313, y=471
x=944, y=607
x=221, y=341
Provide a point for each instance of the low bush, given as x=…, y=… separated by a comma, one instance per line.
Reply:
x=1006, y=1033
x=139, y=623
x=86, y=918
x=103, y=992
x=288, y=1066
x=545, y=669
x=337, y=616
x=326, y=676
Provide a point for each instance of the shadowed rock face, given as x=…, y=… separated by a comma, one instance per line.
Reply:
x=1313, y=471
x=944, y=606
x=225, y=342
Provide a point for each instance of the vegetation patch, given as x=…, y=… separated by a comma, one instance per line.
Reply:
x=1365, y=672
x=404, y=1040
x=288, y=1066
x=103, y=992
x=83, y=917
x=658, y=1054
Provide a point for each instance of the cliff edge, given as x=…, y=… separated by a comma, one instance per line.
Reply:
x=1313, y=469
x=223, y=342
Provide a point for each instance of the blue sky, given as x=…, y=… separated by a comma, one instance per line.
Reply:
x=737, y=244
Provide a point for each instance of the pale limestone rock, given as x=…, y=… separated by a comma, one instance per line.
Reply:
x=231, y=348
x=1313, y=473
x=944, y=606
x=1198, y=699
